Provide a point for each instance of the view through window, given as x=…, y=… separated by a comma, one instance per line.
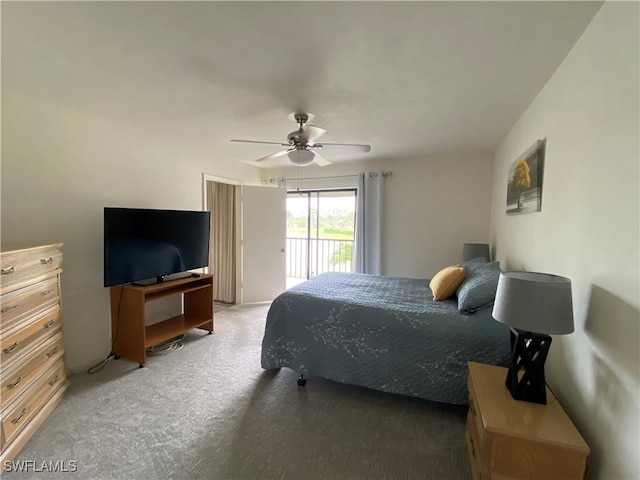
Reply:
x=320, y=232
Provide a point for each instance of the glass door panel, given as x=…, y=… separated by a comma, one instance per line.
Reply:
x=320, y=232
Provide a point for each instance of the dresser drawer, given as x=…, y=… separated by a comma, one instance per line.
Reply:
x=16, y=380
x=18, y=305
x=521, y=458
x=472, y=449
x=476, y=417
x=26, y=263
x=18, y=341
x=28, y=405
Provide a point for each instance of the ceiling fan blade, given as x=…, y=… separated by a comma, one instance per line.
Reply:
x=320, y=160
x=344, y=146
x=313, y=133
x=257, y=141
x=274, y=155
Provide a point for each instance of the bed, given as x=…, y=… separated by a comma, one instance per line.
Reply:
x=384, y=333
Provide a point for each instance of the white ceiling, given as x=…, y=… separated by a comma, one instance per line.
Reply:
x=412, y=79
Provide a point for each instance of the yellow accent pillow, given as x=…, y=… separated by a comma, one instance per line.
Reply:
x=446, y=282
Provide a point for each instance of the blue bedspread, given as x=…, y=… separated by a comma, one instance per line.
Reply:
x=384, y=333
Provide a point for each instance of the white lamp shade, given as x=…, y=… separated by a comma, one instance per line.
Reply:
x=301, y=157
x=475, y=250
x=534, y=302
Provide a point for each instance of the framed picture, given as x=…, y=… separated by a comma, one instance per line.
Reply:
x=524, y=182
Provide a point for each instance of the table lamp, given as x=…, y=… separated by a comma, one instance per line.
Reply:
x=533, y=305
x=474, y=250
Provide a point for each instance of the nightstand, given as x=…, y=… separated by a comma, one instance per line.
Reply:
x=508, y=438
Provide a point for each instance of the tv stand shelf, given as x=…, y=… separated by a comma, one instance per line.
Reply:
x=129, y=334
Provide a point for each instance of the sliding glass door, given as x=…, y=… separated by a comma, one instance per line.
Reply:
x=320, y=232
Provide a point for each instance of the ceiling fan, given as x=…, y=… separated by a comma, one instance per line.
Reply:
x=302, y=148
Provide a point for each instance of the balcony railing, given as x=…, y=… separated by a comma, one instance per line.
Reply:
x=308, y=257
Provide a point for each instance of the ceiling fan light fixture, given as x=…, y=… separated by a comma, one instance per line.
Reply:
x=301, y=157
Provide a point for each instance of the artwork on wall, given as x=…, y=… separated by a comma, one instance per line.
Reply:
x=524, y=182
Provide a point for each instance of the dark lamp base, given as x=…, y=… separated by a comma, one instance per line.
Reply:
x=528, y=352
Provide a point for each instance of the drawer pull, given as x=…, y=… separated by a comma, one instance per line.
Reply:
x=8, y=270
x=49, y=324
x=14, y=383
x=46, y=261
x=46, y=292
x=53, y=380
x=473, y=450
x=10, y=348
x=472, y=407
x=19, y=417
x=8, y=309
x=55, y=349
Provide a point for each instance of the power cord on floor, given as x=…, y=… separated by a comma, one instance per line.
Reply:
x=100, y=365
x=166, y=347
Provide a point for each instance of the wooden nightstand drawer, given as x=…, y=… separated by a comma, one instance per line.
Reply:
x=473, y=410
x=477, y=469
x=16, y=380
x=19, y=341
x=28, y=405
x=18, y=305
x=509, y=438
x=524, y=458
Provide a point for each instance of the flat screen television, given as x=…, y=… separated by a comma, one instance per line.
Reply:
x=147, y=246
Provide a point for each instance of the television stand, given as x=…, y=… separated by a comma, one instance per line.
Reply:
x=130, y=336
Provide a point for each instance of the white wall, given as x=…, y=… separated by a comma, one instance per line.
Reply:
x=432, y=207
x=588, y=230
x=60, y=167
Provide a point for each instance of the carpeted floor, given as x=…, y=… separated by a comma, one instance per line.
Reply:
x=208, y=411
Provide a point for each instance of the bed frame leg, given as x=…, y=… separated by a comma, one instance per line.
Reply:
x=302, y=381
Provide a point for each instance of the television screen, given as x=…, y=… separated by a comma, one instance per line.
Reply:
x=146, y=245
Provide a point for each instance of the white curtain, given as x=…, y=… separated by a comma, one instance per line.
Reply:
x=368, y=244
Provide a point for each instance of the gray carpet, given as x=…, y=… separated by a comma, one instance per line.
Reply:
x=208, y=411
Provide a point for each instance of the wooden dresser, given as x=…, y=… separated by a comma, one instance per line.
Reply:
x=509, y=438
x=33, y=376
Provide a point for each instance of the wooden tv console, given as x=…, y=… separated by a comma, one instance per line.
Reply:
x=129, y=334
